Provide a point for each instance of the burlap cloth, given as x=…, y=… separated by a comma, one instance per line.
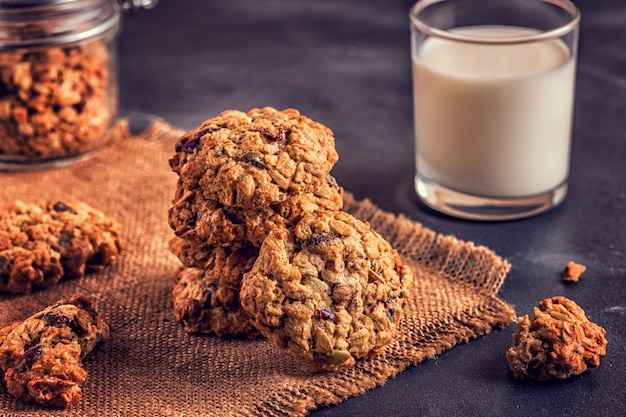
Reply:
x=150, y=367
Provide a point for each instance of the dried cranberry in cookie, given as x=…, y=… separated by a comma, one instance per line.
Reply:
x=328, y=290
x=254, y=159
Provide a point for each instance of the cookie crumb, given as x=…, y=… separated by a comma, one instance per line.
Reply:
x=573, y=271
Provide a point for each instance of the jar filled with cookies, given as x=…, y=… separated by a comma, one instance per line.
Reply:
x=58, y=80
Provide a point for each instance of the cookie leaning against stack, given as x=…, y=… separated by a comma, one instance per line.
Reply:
x=263, y=239
x=328, y=290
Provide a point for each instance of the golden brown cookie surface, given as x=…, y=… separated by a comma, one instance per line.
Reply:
x=223, y=264
x=40, y=358
x=203, y=305
x=558, y=342
x=44, y=242
x=256, y=158
x=330, y=290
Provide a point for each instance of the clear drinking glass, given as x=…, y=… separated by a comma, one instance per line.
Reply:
x=494, y=85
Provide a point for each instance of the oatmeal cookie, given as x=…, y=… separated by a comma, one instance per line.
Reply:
x=42, y=243
x=203, y=221
x=558, y=342
x=255, y=159
x=329, y=290
x=40, y=358
x=203, y=305
x=224, y=264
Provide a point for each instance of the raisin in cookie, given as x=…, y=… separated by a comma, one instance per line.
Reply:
x=224, y=264
x=329, y=290
x=203, y=221
x=558, y=342
x=42, y=243
x=40, y=358
x=254, y=159
x=202, y=305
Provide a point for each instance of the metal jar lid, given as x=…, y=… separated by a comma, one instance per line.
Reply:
x=41, y=23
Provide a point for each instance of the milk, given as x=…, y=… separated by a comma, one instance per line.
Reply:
x=494, y=120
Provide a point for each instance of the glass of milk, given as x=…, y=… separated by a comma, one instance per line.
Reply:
x=493, y=104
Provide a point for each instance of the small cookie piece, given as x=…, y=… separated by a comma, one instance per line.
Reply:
x=44, y=242
x=255, y=159
x=573, y=271
x=329, y=290
x=40, y=358
x=203, y=221
x=558, y=342
x=202, y=305
x=224, y=264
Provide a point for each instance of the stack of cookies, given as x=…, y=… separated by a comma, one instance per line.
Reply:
x=240, y=176
x=266, y=248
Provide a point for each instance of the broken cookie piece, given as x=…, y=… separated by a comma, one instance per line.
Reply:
x=573, y=271
x=557, y=343
x=40, y=358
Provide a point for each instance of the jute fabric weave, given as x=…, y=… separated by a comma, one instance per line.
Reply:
x=151, y=367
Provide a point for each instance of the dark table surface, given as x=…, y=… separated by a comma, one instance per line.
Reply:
x=346, y=64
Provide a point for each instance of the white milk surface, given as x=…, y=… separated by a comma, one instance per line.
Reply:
x=494, y=120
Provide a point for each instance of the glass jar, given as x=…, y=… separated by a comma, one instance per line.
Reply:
x=58, y=80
